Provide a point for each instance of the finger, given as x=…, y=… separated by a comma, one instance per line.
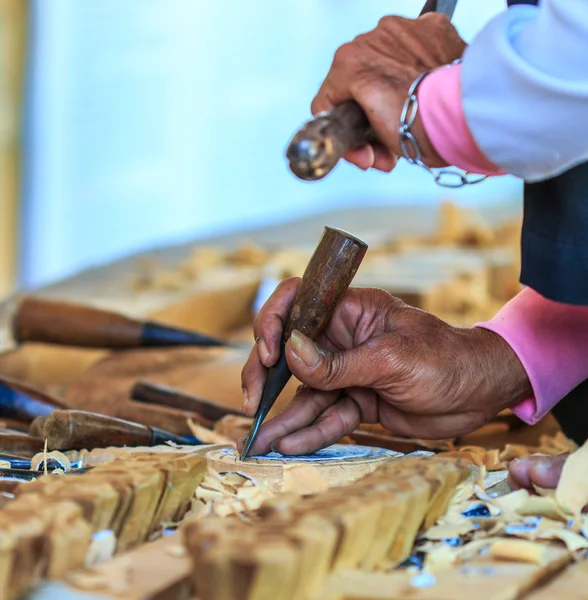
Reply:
x=542, y=471
x=384, y=160
x=269, y=322
x=362, y=157
x=306, y=406
x=428, y=426
x=323, y=370
x=253, y=378
x=518, y=474
x=334, y=423
x=545, y=471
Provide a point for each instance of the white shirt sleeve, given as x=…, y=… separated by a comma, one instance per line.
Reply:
x=525, y=88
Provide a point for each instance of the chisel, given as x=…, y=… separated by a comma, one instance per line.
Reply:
x=165, y=396
x=326, y=279
x=67, y=324
x=79, y=430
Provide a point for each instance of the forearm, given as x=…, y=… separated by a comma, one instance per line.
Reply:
x=519, y=98
x=551, y=341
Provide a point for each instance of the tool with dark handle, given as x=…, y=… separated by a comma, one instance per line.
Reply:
x=166, y=396
x=36, y=427
x=65, y=324
x=78, y=430
x=23, y=402
x=321, y=143
x=21, y=445
x=326, y=279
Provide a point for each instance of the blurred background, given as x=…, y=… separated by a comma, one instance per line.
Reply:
x=131, y=125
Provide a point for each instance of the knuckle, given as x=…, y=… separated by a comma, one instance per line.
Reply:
x=389, y=22
x=332, y=369
x=344, y=55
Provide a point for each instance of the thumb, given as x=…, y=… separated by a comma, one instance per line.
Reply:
x=321, y=369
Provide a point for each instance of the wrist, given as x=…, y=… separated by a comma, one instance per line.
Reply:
x=430, y=156
x=499, y=379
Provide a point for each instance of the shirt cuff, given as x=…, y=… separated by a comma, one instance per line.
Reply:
x=441, y=112
x=551, y=341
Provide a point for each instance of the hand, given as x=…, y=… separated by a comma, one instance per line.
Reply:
x=376, y=70
x=541, y=471
x=379, y=360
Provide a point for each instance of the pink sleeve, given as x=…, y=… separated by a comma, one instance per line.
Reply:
x=440, y=109
x=551, y=341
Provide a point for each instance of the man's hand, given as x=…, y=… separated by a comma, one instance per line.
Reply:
x=379, y=360
x=376, y=70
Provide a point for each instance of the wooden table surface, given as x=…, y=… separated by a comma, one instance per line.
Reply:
x=108, y=286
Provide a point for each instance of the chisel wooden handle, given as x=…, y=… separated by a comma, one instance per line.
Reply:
x=321, y=142
x=78, y=430
x=62, y=323
x=23, y=402
x=20, y=444
x=165, y=396
x=326, y=279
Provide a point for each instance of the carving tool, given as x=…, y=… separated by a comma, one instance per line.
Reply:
x=24, y=402
x=166, y=396
x=79, y=430
x=22, y=445
x=326, y=279
x=66, y=324
x=321, y=142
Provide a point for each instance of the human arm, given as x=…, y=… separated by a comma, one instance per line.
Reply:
x=523, y=92
x=551, y=341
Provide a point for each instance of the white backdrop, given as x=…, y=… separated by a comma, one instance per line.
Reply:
x=154, y=121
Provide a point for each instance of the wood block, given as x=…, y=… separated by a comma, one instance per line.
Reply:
x=480, y=578
x=157, y=570
x=570, y=584
x=337, y=463
x=67, y=533
x=146, y=484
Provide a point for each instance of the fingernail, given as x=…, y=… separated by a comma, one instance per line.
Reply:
x=245, y=400
x=263, y=351
x=305, y=349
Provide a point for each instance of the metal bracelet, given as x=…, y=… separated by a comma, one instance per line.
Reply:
x=450, y=178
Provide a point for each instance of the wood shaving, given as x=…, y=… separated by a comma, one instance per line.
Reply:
x=228, y=494
x=177, y=551
x=440, y=558
x=517, y=551
x=117, y=579
x=4, y=464
x=207, y=435
x=101, y=549
x=44, y=457
x=572, y=491
x=573, y=541
x=303, y=480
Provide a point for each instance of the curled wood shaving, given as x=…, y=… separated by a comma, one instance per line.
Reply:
x=572, y=490
x=228, y=494
x=44, y=458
